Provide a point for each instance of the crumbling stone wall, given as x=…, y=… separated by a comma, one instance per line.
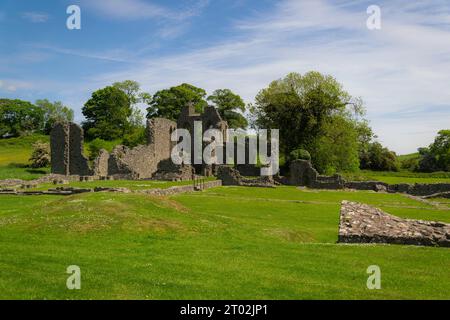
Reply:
x=418, y=189
x=101, y=164
x=78, y=163
x=302, y=173
x=360, y=223
x=66, y=142
x=142, y=161
x=59, y=146
x=159, y=131
x=136, y=163
x=169, y=171
x=232, y=177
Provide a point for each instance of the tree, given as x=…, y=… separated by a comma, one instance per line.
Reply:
x=229, y=104
x=437, y=156
x=53, y=113
x=336, y=150
x=300, y=105
x=18, y=117
x=131, y=89
x=311, y=110
x=107, y=114
x=135, y=135
x=379, y=158
x=168, y=103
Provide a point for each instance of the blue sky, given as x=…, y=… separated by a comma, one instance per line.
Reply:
x=402, y=72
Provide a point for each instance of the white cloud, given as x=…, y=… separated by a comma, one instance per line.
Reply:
x=36, y=17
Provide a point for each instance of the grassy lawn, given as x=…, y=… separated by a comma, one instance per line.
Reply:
x=130, y=184
x=223, y=243
x=400, y=177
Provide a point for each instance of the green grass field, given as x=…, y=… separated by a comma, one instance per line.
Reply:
x=400, y=177
x=14, y=156
x=223, y=243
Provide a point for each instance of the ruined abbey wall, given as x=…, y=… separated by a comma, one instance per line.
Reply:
x=142, y=162
x=66, y=142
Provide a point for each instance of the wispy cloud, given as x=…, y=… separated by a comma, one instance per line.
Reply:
x=107, y=55
x=401, y=71
x=36, y=17
x=139, y=9
x=13, y=85
x=404, y=65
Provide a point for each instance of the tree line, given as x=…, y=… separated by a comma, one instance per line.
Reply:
x=317, y=118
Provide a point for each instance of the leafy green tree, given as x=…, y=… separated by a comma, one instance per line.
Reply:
x=229, y=104
x=312, y=113
x=437, y=156
x=54, y=112
x=299, y=154
x=107, y=114
x=299, y=105
x=131, y=88
x=135, y=135
x=336, y=150
x=168, y=103
x=18, y=117
x=379, y=158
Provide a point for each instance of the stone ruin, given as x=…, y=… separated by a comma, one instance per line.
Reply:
x=140, y=162
x=360, y=223
x=149, y=161
x=232, y=177
x=66, y=142
x=153, y=160
x=302, y=173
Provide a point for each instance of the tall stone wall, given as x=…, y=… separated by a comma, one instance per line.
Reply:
x=66, y=142
x=78, y=163
x=59, y=145
x=159, y=131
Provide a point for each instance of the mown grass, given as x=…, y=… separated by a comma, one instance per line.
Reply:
x=129, y=184
x=223, y=243
x=399, y=177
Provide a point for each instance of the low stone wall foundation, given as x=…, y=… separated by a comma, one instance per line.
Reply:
x=361, y=223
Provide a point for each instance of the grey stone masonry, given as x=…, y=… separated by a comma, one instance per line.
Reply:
x=66, y=142
x=361, y=223
x=59, y=142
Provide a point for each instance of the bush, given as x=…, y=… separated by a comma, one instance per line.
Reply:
x=40, y=158
x=410, y=164
x=300, y=154
x=135, y=138
x=96, y=145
